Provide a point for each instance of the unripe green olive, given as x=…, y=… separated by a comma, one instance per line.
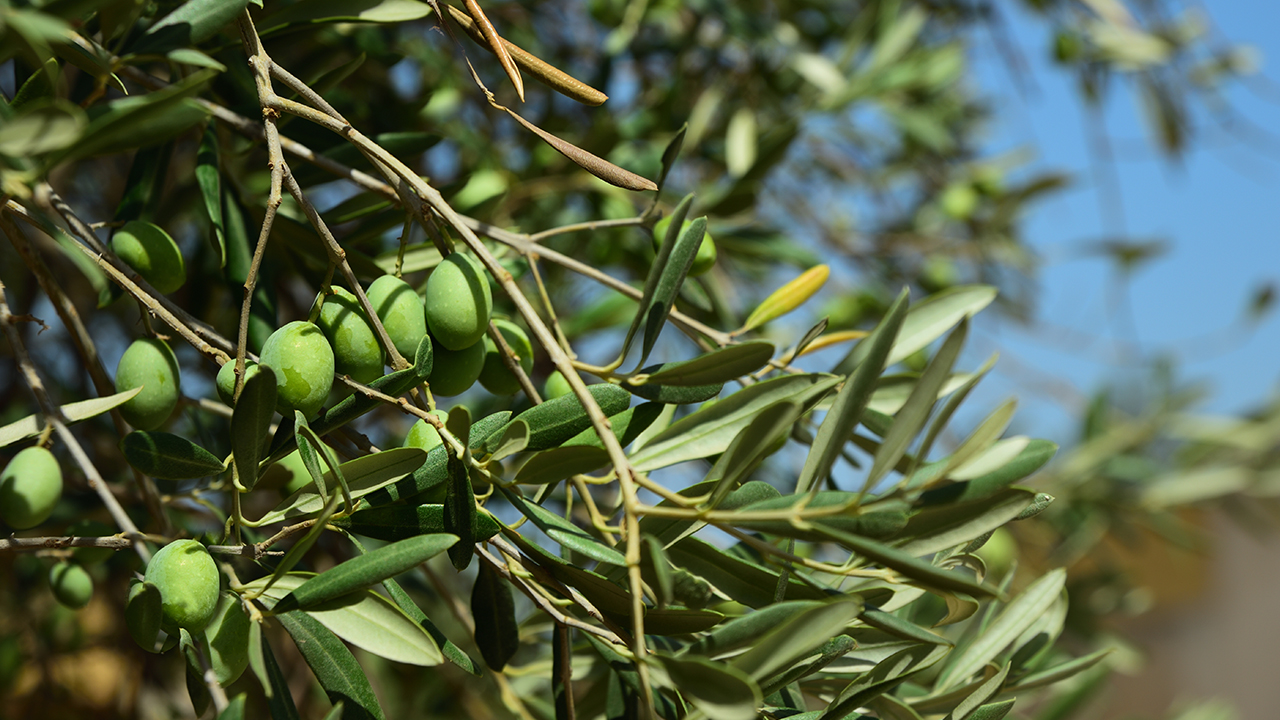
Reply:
x=30, y=488
x=150, y=251
x=226, y=380
x=423, y=434
x=356, y=351
x=150, y=364
x=555, y=386
x=228, y=636
x=494, y=376
x=288, y=475
x=401, y=312
x=303, y=363
x=453, y=372
x=959, y=200
x=458, y=302
x=187, y=579
x=999, y=552
x=706, y=256
x=71, y=585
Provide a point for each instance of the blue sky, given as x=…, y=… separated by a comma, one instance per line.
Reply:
x=1218, y=210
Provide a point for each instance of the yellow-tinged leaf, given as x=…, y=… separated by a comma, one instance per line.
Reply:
x=787, y=298
x=833, y=338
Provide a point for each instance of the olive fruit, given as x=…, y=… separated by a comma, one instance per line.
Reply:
x=356, y=351
x=706, y=256
x=150, y=364
x=556, y=386
x=453, y=372
x=150, y=251
x=303, y=363
x=228, y=636
x=30, y=487
x=423, y=434
x=458, y=302
x=401, y=312
x=494, y=376
x=187, y=579
x=226, y=380
x=288, y=475
x=71, y=585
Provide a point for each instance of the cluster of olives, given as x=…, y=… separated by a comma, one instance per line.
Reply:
x=456, y=313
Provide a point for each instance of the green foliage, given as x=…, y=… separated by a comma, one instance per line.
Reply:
x=764, y=532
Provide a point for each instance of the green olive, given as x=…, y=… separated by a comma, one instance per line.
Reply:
x=150, y=251
x=288, y=475
x=453, y=372
x=706, y=256
x=228, y=636
x=303, y=363
x=226, y=380
x=423, y=434
x=356, y=351
x=30, y=488
x=458, y=302
x=401, y=312
x=150, y=364
x=494, y=376
x=555, y=386
x=187, y=579
x=71, y=585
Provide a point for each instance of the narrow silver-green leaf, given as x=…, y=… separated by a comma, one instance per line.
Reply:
x=494, y=609
x=979, y=696
x=451, y=652
x=514, y=439
x=251, y=424
x=166, y=456
x=564, y=532
x=844, y=415
x=910, y=566
x=911, y=418
x=655, y=273
x=190, y=23
x=674, y=272
x=1018, y=615
x=717, y=366
x=798, y=637
x=362, y=571
x=745, y=630
x=1059, y=672
x=749, y=447
x=927, y=321
x=342, y=678
x=364, y=475
x=710, y=430
x=364, y=619
x=208, y=176
x=279, y=698
x=460, y=499
x=234, y=709
x=556, y=464
x=886, y=675
x=947, y=526
x=719, y=690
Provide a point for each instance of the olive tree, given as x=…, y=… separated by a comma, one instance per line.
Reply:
x=538, y=435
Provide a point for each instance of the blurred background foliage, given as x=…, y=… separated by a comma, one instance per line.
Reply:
x=845, y=132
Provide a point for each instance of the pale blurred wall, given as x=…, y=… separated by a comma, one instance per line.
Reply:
x=1215, y=630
